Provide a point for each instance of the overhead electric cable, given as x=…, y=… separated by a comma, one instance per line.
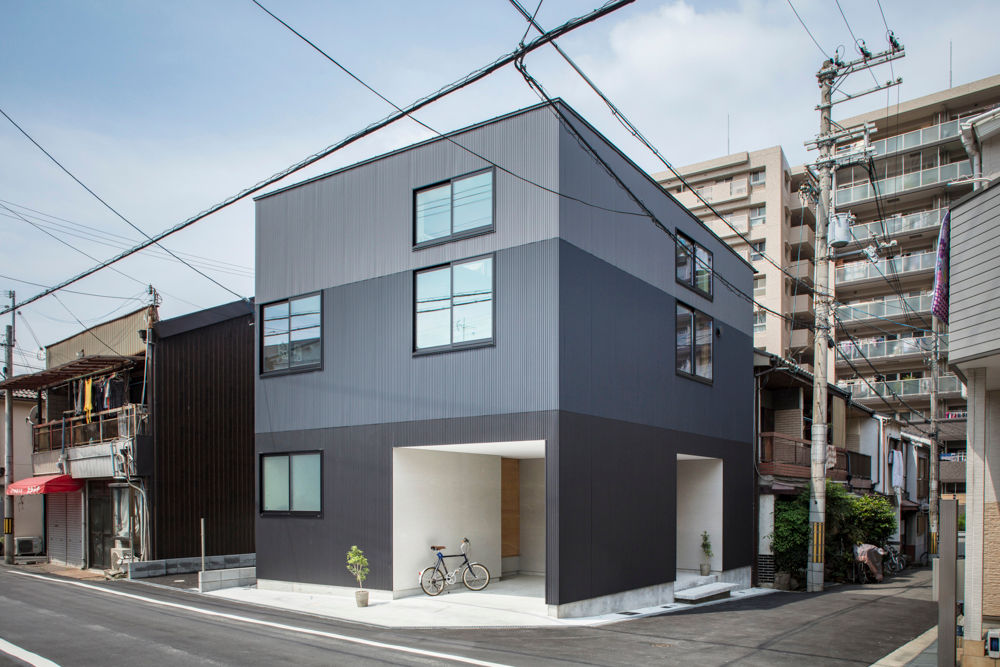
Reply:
x=34, y=284
x=808, y=31
x=482, y=72
x=112, y=209
x=87, y=329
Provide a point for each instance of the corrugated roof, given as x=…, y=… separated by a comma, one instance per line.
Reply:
x=77, y=368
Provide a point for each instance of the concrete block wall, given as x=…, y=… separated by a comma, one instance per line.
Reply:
x=214, y=580
x=161, y=568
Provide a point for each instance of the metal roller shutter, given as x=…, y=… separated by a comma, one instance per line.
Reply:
x=64, y=528
x=74, y=530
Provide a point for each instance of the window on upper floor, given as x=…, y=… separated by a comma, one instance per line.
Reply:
x=694, y=343
x=291, y=483
x=759, y=285
x=454, y=305
x=759, y=321
x=758, y=215
x=292, y=336
x=757, y=177
x=757, y=250
x=693, y=265
x=456, y=209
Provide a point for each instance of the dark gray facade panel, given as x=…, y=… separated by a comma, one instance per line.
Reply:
x=370, y=374
x=633, y=242
x=617, y=527
x=618, y=355
x=357, y=224
x=975, y=256
x=357, y=492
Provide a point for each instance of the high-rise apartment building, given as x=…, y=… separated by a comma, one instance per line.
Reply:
x=882, y=317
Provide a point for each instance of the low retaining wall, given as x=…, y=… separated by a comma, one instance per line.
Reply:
x=213, y=580
x=161, y=568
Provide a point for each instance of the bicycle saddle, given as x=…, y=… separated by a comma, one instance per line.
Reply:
x=434, y=548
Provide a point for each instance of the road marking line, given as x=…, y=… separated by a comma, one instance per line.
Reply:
x=268, y=624
x=25, y=656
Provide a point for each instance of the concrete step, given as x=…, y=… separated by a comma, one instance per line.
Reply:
x=706, y=593
x=691, y=581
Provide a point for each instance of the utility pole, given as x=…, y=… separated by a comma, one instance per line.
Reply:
x=8, y=458
x=830, y=76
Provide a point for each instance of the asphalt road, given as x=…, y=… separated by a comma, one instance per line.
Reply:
x=121, y=622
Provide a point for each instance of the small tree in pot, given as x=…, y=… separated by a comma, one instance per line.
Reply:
x=706, y=550
x=357, y=565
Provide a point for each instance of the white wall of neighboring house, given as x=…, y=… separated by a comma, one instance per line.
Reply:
x=437, y=499
x=28, y=512
x=699, y=508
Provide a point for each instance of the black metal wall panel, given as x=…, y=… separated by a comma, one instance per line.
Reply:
x=203, y=458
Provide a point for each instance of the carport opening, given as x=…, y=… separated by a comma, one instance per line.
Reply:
x=492, y=493
x=699, y=510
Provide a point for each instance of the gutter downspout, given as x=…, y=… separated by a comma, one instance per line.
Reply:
x=975, y=156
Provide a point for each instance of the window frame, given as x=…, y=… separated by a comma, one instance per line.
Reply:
x=761, y=173
x=693, y=349
x=465, y=234
x=260, y=484
x=754, y=251
x=318, y=366
x=693, y=283
x=464, y=345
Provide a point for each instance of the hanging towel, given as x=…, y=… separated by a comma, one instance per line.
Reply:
x=897, y=468
x=88, y=387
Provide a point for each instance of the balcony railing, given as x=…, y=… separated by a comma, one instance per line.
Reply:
x=893, y=307
x=890, y=186
x=947, y=384
x=914, y=222
x=789, y=456
x=916, y=139
x=127, y=421
x=892, y=348
x=866, y=270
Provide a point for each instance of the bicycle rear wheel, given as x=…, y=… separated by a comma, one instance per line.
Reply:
x=476, y=577
x=432, y=581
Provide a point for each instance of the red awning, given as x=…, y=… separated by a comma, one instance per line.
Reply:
x=44, y=484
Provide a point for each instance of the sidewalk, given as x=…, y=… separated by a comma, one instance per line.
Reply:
x=516, y=602
x=921, y=652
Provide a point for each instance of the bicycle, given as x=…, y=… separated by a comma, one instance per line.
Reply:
x=894, y=562
x=433, y=579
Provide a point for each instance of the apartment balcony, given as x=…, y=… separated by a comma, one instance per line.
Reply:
x=857, y=273
x=923, y=224
x=918, y=389
x=902, y=350
x=802, y=305
x=802, y=270
x=801, y=339
x=738, y=224
x=717, y=193
x=786, y=456
x=904, y=183
x=893, y=308
x=952, y=468
x=916, y=139
x=89, y=447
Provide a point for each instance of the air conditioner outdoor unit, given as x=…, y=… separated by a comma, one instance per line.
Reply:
x=119, y=557
x=27, y=546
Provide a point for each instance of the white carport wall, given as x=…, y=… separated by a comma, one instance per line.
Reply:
x=699, y=509
x=442, y=493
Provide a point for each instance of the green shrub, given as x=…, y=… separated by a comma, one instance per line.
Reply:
x=357, y=565
x=874, y=519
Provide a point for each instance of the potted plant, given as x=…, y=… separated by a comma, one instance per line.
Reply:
x=706, y=550
x=357, y=565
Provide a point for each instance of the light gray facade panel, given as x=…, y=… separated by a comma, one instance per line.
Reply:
x=633, y=242
x=358, y=223
x=370, y=374
x=975, y=259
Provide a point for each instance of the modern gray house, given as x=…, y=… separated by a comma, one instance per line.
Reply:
x=488, y=336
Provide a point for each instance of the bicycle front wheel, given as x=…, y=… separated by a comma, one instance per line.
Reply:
x=432, y=581
x=476, y=577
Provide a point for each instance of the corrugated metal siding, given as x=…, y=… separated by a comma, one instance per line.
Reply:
x=975, y=275
x=632, y=242
x=358, y=224
x=120, y=335
x=203, y=433
x=371, y=376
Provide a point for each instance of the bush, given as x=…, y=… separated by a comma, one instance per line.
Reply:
x=874, y=519
x=790, y=539
x=357, y=565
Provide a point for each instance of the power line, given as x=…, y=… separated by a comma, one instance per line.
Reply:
x=87, y=329
x=859, y=44
x=808, y=31
x=111, y=208
x=470, y=78
x=102, y=296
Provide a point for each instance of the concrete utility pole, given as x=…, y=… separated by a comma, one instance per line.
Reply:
x=830, y=76
x=8, y=458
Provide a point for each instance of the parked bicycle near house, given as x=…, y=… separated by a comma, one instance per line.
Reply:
x=894, y=562
x=434, y=578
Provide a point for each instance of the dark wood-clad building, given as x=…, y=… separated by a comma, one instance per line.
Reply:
x=202, y=459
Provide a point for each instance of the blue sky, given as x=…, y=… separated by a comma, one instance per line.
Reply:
x=165, y=108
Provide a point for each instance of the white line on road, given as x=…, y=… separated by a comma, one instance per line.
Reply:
x=269, y=624
x=16, y=651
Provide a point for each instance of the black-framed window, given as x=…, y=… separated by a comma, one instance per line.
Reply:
x=292, y=334
x=461, y=207
x=757, y=250
x=454, y=305
x=694, y=265
x=694, y=343
x=291, y=483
